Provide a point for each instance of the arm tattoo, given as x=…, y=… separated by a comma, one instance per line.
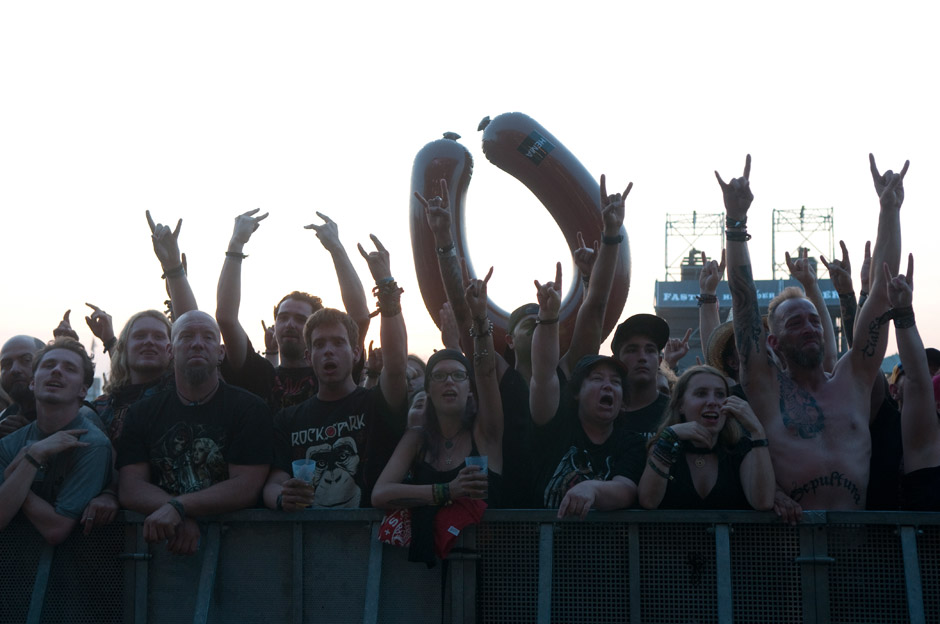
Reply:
x=747, y=324
x=848, y=308
x=798, y=409
x=454, y=287
x=874, y=334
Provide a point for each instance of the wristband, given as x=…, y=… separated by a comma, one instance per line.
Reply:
x=737, y=236
x=178, y=506
x=235, y=255
x=734, y=224
x=903, y=317
x=664, y=475
x=703, y=299
x=34, y=462
x=482, y=333
x=540, y=321
x=109, y=345
x=447, y=250
x=612, y=240
x=848, y=295
x=177, y=272
x=280, y=502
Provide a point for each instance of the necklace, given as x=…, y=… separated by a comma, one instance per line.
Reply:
x=701, y=452
x=186, y=400
x=449, y=444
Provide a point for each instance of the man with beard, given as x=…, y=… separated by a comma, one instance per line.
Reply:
x=817, y=423
x=16, y=374
x=54, y=465
x=157, y=476
x=347, y=431
x=293, y=380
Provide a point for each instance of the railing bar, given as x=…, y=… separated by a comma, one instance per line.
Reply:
x=141, y=579
x=546, y=536
x=210, y=564
x=38, y=597
x=723, y=565
x=912, y=581
x=370, y=612
x=633, y=537
x=297, y=573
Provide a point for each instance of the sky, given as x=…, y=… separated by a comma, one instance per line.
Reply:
x=205, y=110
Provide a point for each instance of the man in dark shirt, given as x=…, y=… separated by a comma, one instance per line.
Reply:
x=200, y=448
x=638, y=343
x=347, y=430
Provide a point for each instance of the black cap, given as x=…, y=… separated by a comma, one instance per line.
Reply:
x=648, y=325
x=590, y=362
x=520, y=313
x=438, y=357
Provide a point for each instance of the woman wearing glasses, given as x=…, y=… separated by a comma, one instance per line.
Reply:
x=458, y=421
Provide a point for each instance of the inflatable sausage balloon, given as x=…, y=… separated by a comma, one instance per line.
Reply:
x=518, y=145
x=443, y=159
x=521, y=147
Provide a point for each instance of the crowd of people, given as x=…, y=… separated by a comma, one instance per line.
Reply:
x=195, y=422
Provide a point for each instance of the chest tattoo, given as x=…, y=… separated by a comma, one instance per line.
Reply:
x=799, y=409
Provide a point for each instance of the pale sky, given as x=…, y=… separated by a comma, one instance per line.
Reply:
x=205, y=110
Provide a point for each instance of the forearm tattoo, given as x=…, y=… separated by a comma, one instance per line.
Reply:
x=747, y=323
x=874, y=334
x=798, y=409
x=453, y=286
x=848, y=308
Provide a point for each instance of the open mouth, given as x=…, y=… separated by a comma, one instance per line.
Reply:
x=329, y=367
x=607, y=400
x=710, y=417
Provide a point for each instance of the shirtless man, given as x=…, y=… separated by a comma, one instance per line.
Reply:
x=817, y=424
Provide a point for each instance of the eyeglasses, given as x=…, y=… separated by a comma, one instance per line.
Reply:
x=457, y=375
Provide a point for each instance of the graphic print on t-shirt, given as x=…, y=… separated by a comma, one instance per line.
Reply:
x=335, y=474
x=188, y=458
x=575, y=467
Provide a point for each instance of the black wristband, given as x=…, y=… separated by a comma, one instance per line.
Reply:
x=903, y=317
x=109, y=345
x=279, y=504
x=178, y=506
x=734, y=224
x=177, y=272
x=737, y=236
x=612, y=240
x=446, y=249
x=539, y=321
x=703, y=299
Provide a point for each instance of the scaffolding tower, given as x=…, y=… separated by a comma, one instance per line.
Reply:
x=693, y=232
x=794, y=230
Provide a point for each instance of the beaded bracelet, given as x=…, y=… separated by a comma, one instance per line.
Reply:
x=475, y=333
x=703, y=299
x=664, y=475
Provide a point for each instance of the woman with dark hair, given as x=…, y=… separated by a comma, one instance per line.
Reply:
x=710, y=452
x=427, y=467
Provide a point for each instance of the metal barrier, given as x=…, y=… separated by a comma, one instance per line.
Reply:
x=517, y=566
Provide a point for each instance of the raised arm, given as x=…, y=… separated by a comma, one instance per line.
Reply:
x=840, y=272
x=920, y=432
x=393, y=379
x=166, y=248
x=437, y=210
x=757, y=366
x=588, y=327
x=488, y=426
x=228, y=294
x=871, y=341
x=805, y=273
x=544, y=389
x=708, y=308
x=350, y=286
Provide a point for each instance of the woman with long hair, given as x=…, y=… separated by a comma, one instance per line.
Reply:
x=427, y=467
x=710, y=451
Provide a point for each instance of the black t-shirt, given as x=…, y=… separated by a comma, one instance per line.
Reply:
x=646, y=420
x=565, y=456
x=351, y=440
x=884, y=481
x=189, y=447
x=112, y=408
x=727, y=492
x=280, y=387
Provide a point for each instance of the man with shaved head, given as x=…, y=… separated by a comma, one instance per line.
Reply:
x=200, y=448
x=16, y=374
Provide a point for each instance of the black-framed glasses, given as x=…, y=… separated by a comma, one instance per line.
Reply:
x=457, y=375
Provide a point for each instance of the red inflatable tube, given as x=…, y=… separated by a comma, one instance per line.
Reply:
x=518, y=145
x=521, y=147
x=443, y=159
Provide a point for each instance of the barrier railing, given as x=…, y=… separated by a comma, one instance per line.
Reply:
x=516, y=566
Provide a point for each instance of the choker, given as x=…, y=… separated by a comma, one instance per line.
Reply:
x=190, y=403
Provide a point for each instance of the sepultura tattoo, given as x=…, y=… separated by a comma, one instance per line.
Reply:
x=799, y=409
